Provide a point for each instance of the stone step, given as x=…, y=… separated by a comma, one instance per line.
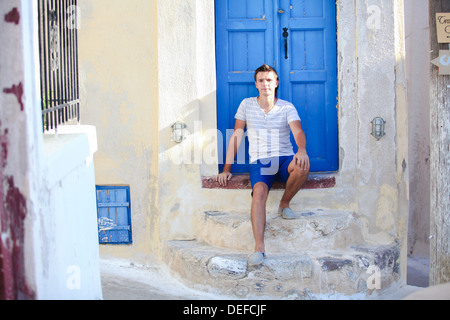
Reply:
x=310, y=230
x=304, y=275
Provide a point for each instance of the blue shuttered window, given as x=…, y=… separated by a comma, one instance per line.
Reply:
x=114, y=215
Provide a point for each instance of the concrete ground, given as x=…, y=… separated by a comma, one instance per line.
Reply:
x=124, y=281
x=418, y=271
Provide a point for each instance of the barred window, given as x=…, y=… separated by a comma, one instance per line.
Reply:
x=58, y=52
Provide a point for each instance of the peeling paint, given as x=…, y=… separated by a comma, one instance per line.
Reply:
x=17, y=91
x=13, y=211
x=3, y=156
x=13, y=16
x=105, y=223
x=3, y=150
x=13, y=225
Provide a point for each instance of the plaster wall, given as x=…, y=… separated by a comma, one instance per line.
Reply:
x=16, y=279
x=418, y=58
x=187, y=89
x=68, y=265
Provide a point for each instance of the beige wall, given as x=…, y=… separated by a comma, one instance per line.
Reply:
x=119, y=86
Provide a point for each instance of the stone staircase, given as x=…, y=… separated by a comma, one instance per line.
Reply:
x=317, y=255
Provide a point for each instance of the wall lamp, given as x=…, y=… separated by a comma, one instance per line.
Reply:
x=178, y=132
x=378, y=128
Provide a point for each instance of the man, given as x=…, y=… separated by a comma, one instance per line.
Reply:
x=269, y=121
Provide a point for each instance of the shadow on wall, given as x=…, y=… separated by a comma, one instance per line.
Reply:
x=199, y=131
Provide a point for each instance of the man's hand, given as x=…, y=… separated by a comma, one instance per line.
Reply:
x=302, y=160
x=223, y=178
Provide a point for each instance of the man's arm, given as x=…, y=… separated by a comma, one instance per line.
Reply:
x=233, y=147
x=301, y=158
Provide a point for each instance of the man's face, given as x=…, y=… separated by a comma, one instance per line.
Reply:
x=266, y=83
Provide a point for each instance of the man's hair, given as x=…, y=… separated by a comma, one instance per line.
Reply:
x=266, y=68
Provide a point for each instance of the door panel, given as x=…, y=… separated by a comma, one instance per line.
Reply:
x=244, y=40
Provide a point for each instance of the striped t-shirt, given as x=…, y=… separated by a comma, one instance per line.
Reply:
x=268, y=134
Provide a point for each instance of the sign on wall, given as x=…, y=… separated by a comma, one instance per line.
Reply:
x=443, y=27
x=443, y=62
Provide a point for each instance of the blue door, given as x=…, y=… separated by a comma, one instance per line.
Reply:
x=298, y=38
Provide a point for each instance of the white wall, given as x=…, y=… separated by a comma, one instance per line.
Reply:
x=66, y=246
x=55, y=177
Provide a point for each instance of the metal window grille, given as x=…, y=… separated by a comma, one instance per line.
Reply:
x=58, y=51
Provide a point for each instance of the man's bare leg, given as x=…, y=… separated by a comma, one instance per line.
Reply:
x=297, y=178
x=260, y=194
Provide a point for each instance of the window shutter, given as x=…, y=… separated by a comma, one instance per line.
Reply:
x=114, y=215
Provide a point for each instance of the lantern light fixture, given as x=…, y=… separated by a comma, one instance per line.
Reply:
x=378, y=128
x=178, y=132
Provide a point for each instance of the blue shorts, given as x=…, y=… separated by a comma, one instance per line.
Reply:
x=270, y=170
